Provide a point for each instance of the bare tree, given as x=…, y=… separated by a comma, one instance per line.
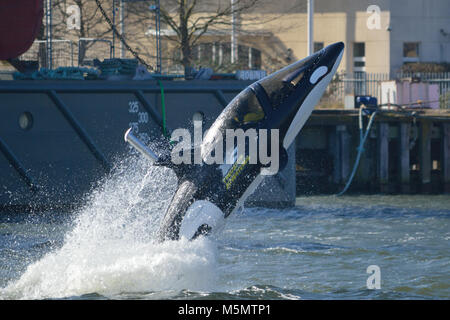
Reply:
x=195, y=20
x=91, y=22
x=191, y=20
x=185, y=24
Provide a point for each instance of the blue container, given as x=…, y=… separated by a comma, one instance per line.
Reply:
x=368, y=101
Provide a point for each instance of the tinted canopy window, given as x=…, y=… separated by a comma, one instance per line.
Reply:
x=243, y=110
x=282, y=83
x=248, y=109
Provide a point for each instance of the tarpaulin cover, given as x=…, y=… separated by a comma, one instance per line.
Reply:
x=20, y=21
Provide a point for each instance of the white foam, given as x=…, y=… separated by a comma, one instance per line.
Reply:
x=111, y=248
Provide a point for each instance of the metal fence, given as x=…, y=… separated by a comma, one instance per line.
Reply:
x=63, y=52
x=68, y=53
x=92, y=48
x=361, y=83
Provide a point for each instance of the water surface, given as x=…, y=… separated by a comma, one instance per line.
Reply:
x=320, y=249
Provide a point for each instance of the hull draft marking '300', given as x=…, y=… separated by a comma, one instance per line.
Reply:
x=208, y=192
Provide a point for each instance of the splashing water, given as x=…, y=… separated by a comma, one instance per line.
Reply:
x=111, y=248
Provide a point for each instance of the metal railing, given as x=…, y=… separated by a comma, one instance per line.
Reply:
x=362, y=83
x=68, y=53
x=357, y=83
x=62, y=53
x=93, y=48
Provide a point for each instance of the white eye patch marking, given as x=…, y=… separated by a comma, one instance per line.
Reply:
x=320, y=71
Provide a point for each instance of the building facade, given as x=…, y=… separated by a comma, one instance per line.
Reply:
x=380, y=35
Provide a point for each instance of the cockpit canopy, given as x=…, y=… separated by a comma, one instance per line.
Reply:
x=245, y=110
x=283, y=82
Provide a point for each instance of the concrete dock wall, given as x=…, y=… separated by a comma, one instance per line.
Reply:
x=407, y=151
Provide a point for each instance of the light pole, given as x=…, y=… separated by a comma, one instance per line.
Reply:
x=156, y=8
x=310, y=27
x=122, y=28
x=49, y=36
x=113, y=47
x=234, y=48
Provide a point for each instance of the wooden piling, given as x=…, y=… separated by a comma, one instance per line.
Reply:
x=383, y=168
x=383, y=157
x=404, y=159
x=446, y=156
x=345, y=154
x=425, y=155
x=339, y=147
x=334, y=150
x=366, y=170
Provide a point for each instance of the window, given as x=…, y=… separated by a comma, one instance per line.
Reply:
x=359, y=57
x=219, y=54
x=248, y=57
x=359, y=49
x=410, y=52
x=318, y=46
x=254, y=59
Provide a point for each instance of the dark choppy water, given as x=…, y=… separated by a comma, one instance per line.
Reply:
x=318, y=250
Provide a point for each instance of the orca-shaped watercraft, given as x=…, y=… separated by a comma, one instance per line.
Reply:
x=282, y=101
